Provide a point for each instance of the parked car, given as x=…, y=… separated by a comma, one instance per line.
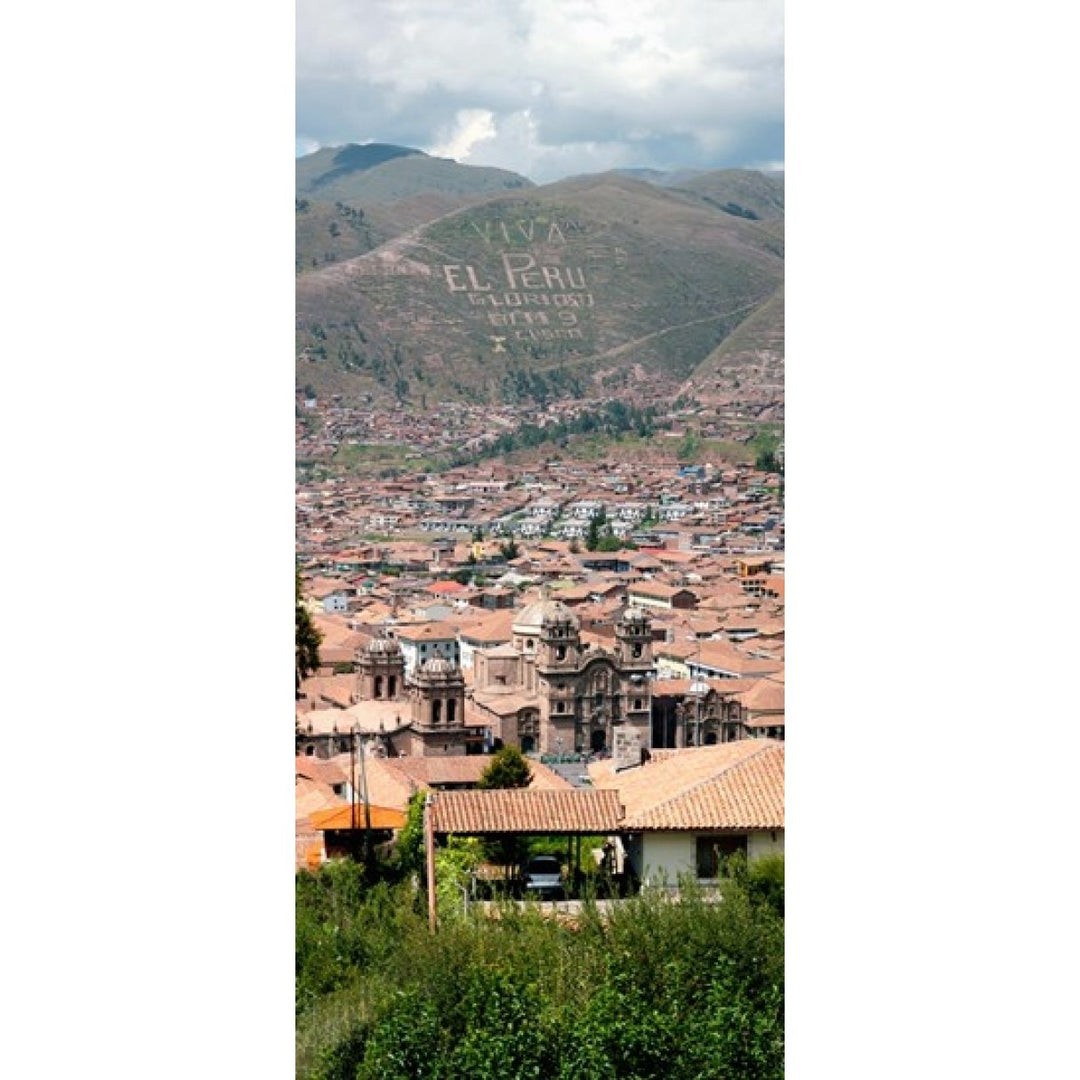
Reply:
x=543, y=876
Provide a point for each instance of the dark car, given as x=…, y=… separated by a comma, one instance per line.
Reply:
x=543, y=876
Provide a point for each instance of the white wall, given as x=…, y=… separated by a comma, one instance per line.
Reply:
x=673, y=853
x=667, y=855
x=762, y=843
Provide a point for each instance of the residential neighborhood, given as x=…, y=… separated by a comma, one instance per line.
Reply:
x=476, y=608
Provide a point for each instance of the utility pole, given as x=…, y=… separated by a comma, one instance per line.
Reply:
x=368, y=850
x=429, y=848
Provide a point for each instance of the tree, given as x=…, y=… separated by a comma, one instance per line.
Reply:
x=507, y=769
x=307, y=640
x=592, y=537
x=409, y=850
x=510, y=549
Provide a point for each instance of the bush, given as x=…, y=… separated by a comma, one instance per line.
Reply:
x=654, y=990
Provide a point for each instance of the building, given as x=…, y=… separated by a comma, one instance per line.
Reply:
x=548, y=691
x=395, y=714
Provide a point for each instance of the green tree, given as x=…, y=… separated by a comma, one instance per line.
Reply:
x=690, y=445
x=409, y=851
x=307, y=639
x=507, y=769
x=510, y=549
x=592, y=537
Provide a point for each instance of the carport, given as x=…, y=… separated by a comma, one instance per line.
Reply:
x=573, y=813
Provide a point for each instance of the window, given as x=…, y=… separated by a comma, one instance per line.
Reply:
x=636, y=651
x=712, y=850
x=451, y=710
x=436, y=711
x=637, y=703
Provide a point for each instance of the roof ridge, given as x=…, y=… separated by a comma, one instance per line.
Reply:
x=682, y=793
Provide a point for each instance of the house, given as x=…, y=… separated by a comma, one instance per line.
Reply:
x=424, y=640
x=653, y=594
x=683, y=810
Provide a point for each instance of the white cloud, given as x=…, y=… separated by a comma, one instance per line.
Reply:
x=471, y=126
x=571, y=84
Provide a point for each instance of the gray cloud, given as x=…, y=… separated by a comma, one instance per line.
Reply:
x=547, y=89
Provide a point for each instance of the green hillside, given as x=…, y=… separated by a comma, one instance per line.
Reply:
x=745, y=193
x=603, y=278
x=369, y=175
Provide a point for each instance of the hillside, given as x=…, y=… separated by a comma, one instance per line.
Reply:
x=376, y=173
x=742, y=192
x=757, y=196
x=602, y=278
x=351, y=199
x=751, y=357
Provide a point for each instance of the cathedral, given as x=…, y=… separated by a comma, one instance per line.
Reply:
x=546, y=691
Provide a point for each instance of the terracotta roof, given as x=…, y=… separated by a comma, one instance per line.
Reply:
x=736, y=785
x=766, y=720
x=725, y=687
x=432, y=771
x=313, y=768
x=385, y=786
x=766, y=695
x=430, y=631
x=368, y=716
x=313, y=796
x=446, y=587
x=545, y=779
x=340, y=817
x=335, y=689
x=573, y=810
x=494, y=627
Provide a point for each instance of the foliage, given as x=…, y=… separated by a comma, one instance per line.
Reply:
x=690, y=445
x=455, y=863
x=615, y=419
x=766, y=445
x=653, y=989
x=307, y=639
x=507, y=769
x=409, y=851
x=510, y=549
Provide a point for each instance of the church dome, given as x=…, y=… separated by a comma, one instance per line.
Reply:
x=384, y=646
x=542, y=613
x=439, y=665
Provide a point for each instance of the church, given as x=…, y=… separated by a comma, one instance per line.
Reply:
x=546, y=691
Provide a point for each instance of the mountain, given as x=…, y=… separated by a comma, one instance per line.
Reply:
x=743, y=192
x=604, y=282
x=378, y=173
x=351, y=199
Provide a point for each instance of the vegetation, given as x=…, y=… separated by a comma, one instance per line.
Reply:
x=508, y=769
x=307, y=639
x=766, y=445
x=653, y=989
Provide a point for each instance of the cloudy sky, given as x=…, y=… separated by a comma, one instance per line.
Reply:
x=548, y=88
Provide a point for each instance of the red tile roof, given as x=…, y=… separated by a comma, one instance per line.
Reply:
x=574, y=810
x=737, y=785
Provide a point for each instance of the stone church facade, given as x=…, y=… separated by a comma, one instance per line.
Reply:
x=546, y=691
